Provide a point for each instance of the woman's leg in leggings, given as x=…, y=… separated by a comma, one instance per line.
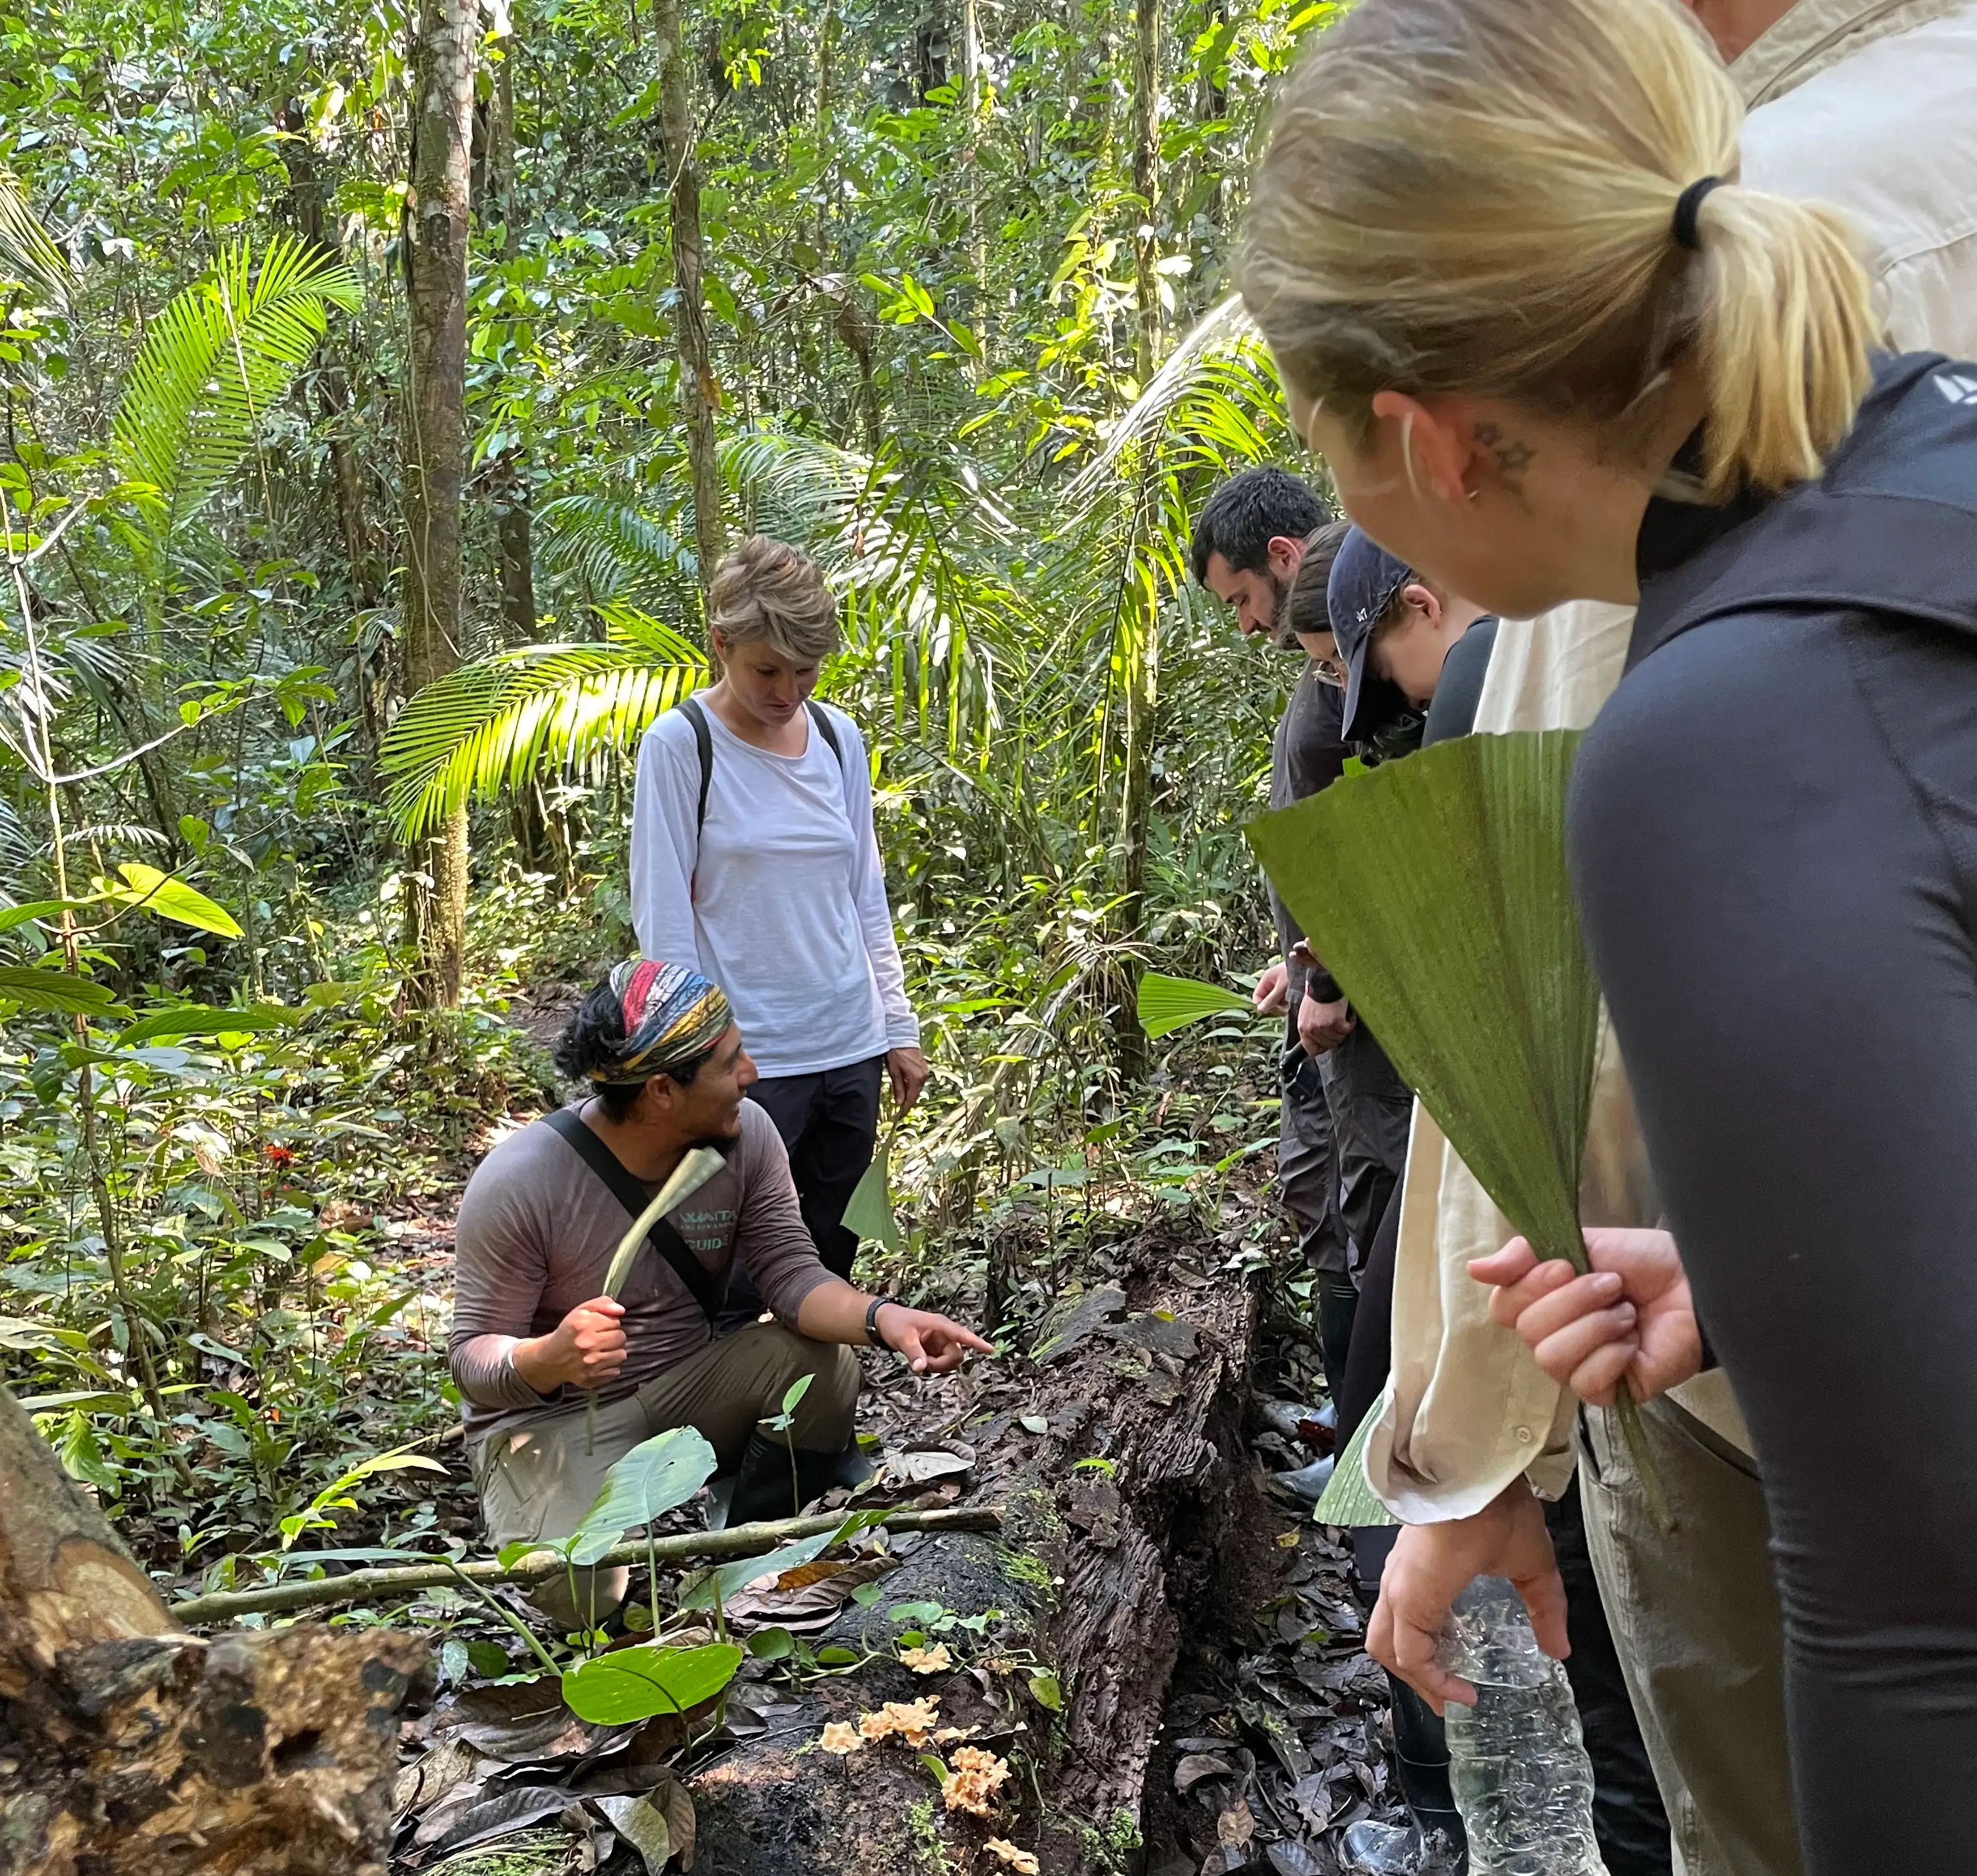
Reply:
x=1774, y=831
x=1371, y=1355
x=832, y=1156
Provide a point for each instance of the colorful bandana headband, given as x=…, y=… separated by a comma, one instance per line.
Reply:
x=673, y=1016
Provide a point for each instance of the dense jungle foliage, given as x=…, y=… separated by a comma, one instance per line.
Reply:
x=938, y=291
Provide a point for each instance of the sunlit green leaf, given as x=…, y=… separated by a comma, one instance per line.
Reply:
x=187, y=1019
x=214, y=362
x=30, y=988
x=1169, y=1003
x=650, y=1479
x=147, y=890
x=631, y=1684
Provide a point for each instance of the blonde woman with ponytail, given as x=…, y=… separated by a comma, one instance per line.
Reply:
x=1553, y=349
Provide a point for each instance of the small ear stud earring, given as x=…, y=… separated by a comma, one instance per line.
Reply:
x=1472, y=495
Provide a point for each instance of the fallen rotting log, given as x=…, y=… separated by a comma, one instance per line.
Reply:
x=129, y=1747
x=697, y=1546
x=1118, y=1458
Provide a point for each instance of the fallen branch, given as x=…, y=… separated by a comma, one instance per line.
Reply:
x=695, y=1547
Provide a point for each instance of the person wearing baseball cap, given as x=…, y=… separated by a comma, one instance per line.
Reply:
x=1396, y=635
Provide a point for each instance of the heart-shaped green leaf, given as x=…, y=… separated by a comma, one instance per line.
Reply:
x=650, y=1479
x=632, y=1684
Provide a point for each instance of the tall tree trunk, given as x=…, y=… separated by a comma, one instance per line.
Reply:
x=509, y=480
x=306, y=197
x=130, y=1748
x=1141, y=685
x=700, y=392
x=1146, y=180
x=436, y=233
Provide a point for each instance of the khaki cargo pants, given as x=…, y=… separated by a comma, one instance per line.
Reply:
x=1695, y=1616
x=537, y=1480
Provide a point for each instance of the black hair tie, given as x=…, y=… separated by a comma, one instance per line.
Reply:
x=1688, y=206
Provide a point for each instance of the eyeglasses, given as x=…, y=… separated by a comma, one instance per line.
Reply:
x=1331, y=671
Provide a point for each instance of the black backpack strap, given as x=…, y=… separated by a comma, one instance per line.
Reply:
x=703, y=743
x=701, y=1283
x=826, y=728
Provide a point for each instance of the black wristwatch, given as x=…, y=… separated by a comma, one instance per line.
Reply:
x=872, y=1310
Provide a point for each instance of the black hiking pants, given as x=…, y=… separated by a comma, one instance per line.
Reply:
x=1773, y=836
x=829, y=1123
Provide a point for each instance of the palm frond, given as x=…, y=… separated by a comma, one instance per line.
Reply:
x=212, y=362
x=1221, y=367
x=539, y=708
x=619, y=550
x=24, y=247
x=923, y=559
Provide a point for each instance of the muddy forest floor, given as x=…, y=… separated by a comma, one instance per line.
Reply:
x=1164, y=1650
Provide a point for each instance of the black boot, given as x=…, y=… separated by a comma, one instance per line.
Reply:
x=852, y=1467
x=1420, y=1751
x=1431, y=1843
x=764, y=1487
x=1338, y=1304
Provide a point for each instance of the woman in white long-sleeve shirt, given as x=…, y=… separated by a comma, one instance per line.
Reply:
x=754, y=860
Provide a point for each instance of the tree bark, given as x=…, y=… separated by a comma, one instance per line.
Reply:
x=305, y=199
x=509, y=480
x=1149, y=1377
x=129, y=1747
x=700, y=391
x=1147, y=181
x=436, y=233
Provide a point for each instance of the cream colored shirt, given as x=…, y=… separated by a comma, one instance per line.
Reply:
x=1870, y=104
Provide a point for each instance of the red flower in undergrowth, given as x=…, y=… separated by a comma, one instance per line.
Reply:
x=278, y=1156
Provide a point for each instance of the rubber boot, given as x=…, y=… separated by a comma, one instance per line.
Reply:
x=763, y=1486
x=1308, y=1483
x=1338, y=1304
x=1431, y=1843
x=854, y=1467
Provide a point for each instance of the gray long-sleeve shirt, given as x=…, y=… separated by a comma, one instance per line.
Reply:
x=535, y=1237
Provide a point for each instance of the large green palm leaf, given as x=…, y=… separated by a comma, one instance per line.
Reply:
x=921, y=553
x=539, y=708
x=25, y=248
x=212, y=363
x=617, y=550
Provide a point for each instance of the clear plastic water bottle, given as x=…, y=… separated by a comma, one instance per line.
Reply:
x=1517, y=1758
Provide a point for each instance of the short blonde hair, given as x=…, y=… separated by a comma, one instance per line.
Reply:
x=766, y=589
x=1480, y=195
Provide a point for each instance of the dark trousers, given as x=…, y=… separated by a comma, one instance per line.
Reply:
x=1372, y=1109
x=829, y=1123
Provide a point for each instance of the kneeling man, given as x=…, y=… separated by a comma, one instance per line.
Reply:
x=532, y=1334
